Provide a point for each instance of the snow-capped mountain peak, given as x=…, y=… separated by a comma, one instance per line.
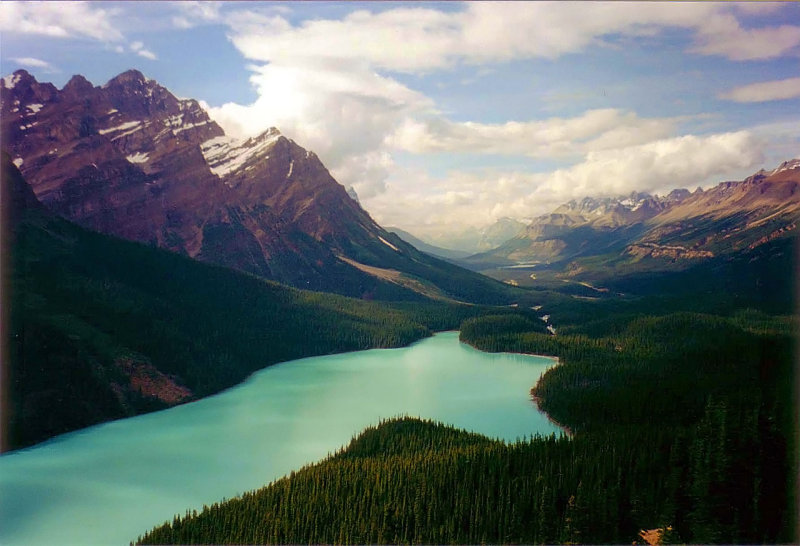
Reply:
x=787, y=166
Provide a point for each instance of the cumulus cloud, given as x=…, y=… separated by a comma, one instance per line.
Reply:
x=342, y=113
x=60, y=20
x=656, y=166
x=431, y=206
x=328, y=83
x=765, y=91
x=366, y=172
x=33, y=62
x=555, y=137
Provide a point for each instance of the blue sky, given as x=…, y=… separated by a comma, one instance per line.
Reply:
x=445, y=116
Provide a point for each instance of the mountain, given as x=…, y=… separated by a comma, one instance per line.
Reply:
x=473, y=239
x=642, y=231
x=99, y=328
x=130, y=159
x=502, y=230
x=578, y=227
x=433, y=250
x=728, y=217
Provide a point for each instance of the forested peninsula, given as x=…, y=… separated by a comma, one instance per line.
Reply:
x=665, y=438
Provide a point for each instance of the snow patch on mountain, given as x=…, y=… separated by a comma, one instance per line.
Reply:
x=34, y=108
x=187, y=126
x=177, y=124
x=124, y=127
x=387, y=243
x=11, y=80
x=138, y=157
x=787, y=166
x=18, y=162
x=225, y=155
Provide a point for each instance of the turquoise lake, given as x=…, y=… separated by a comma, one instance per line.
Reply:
x=110, y=483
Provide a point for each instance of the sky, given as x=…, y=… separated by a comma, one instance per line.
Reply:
x=445, y=117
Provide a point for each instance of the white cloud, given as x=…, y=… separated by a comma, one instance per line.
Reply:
x=405, y=39
x=765, y=91
x=657, y=166
x=554, y=137
x=36, y=63
x=722, y=35
x=416, y=40
x=783, y=138
x=341, y=113
x=367, y=172
x=60, y=20
x=139, y=49
x=434, y=206
x=147, y=54
x=192, y=14
x=758, y=8
x=321, y=85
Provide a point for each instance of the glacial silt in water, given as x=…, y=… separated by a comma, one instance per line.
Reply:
x=110, y=483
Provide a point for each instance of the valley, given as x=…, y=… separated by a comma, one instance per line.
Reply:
x=195, y=324
x=277, y=421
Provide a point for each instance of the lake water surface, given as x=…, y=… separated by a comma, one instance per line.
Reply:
x=110, y=483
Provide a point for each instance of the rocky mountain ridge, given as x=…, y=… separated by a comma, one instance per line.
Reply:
x=130, y=159
x=679, y=226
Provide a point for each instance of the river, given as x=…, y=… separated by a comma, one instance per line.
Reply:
x=109, y=483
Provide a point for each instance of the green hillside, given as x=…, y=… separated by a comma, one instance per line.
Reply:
x=101, y=328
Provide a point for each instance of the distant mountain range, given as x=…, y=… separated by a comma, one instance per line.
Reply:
x=642, y=231
x=474, y=239
x=132, y=160
x=419, y=244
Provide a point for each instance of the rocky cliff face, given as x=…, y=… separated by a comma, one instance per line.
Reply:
x=130, y=159
x=122, y=158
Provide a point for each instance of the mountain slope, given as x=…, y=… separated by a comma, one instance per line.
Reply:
x=473, y=239
x=644, y=232
x=580, y=227
x=730, y=216
x=130, y=159
x=419, y=244
x=99, y=328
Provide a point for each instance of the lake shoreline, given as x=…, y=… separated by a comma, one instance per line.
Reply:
x=279, y=420
x=535, y=398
